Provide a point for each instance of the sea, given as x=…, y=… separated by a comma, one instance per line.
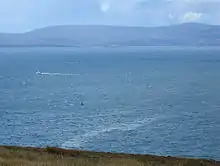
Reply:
x=141, y=100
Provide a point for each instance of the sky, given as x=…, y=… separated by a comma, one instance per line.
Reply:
x=26, y=15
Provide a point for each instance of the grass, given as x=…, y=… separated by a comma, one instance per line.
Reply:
x=51, y=156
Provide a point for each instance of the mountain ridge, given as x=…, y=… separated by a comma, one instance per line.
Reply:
x=187, y=34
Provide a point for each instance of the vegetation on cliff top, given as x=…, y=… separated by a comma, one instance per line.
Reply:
x=51, y=156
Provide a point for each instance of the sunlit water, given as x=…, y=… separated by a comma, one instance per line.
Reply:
x=163, y=101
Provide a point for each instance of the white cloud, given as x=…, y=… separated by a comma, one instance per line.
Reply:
x=105, y=6
x=171, y=16
x=191, y=16
x=118, y=6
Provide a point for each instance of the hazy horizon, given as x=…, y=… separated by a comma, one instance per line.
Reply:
x=27, y=15
x=107, y=25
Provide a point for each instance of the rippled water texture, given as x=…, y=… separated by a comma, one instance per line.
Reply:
x=162, y=101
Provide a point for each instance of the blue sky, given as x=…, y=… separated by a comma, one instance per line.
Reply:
x=24, y=15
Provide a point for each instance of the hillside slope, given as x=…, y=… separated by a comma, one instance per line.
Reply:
x=17, y=156
x=190, y=34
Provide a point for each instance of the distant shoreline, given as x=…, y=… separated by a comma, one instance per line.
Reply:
x=113, y=36
x=98, y=47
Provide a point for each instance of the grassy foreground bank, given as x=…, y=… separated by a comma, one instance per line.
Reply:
x=24, y=156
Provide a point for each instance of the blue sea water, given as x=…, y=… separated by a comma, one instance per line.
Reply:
x=147, y=100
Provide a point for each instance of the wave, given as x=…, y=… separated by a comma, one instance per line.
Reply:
x=79, y=140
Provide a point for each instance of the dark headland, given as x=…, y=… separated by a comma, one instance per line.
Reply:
x=188, y=34
x=50, y=156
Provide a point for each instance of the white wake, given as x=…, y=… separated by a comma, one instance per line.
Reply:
x=79, y=140
x=58, y=74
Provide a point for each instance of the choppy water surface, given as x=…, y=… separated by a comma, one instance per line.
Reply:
x=162, y=101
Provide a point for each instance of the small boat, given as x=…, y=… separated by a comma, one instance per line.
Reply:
x=38, y=73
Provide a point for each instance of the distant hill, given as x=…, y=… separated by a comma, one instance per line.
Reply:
x=189, y=34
